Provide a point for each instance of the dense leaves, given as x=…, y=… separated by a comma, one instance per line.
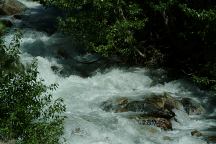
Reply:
x=178, y=34
x=28, y=112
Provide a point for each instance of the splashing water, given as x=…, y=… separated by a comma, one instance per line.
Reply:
x=86, y=122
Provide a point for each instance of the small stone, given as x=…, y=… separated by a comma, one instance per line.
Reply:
x=196, y=133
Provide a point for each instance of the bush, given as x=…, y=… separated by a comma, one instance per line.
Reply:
x=28, y=112
x=176, y=34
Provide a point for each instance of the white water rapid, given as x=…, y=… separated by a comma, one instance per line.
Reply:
x=86, y=122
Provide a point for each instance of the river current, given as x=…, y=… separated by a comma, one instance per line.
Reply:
x=86, y=122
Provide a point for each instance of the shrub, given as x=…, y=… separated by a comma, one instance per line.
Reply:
x=28, y=112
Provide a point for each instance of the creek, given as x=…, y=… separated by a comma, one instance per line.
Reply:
x=86, y=81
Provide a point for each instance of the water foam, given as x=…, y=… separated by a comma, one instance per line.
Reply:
x=30, y=4
x=87, y=123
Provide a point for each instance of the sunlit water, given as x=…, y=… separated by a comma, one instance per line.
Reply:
x=87, y=123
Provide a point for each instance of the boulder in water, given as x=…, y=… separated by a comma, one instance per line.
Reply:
x=155, y=110
x=192, y=107
x=153, y=121
x=116, y=105
x=153, y=105
x=211, y=139
x=11, y=7
x=196, y=133
x=57, y=69
x=18, y=16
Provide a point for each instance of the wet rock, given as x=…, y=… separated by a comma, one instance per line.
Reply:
x=88, y=58
x=211, y=139
x=153, y=121
x=62, y=53
x=10, y=7
x=6, y=22
x=78, y=131
x=192, y=107
x=150, y=109
x=153, y=105
x=18, y=16
x=196, y=133
x=56, y=69
x=155, y=110
x=116, y=105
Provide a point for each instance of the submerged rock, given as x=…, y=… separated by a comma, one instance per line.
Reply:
x=87, y=58
x=56, y=69
x=196, y=133
x=62, y=53
x=11, y=7
x=116, y=105
x=167, y=138
x=192, y=107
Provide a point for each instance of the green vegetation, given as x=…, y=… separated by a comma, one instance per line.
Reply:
x=177, y=34
x=29, y=114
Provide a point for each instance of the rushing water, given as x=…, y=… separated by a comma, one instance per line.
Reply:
x=86, y=122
